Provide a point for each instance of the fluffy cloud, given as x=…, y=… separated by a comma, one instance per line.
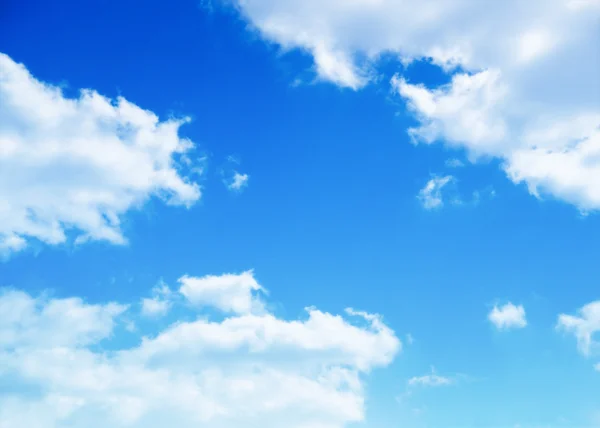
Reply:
x=235, y=293
x=519, y=70
x=79, y=164
x=67, y=365
x=238, y=182
x=559, y=155
x=44, y=322
x=431, y=195
x=583, y=326
x=508, y=316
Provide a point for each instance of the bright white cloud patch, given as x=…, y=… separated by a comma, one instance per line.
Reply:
x=584, y=326
x=241, y=370
x=238, y=181
x=526, y=69
x=79, y=163
x=431, y=195
x=229, y=292
x=508, y=317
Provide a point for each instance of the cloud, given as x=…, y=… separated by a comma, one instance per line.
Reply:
x=508, y=316
x=454, y=163
x=160, y=303
x=560, y=158
x=45, y=322
x=67, y=365
x=238, y=181
x=79, y=164
x=234, y=180
x=234, y=293
x=597, y=367
x=462, y=112
x=431, y=380
x=583, y=326
x=431, y=195
x=518, y=70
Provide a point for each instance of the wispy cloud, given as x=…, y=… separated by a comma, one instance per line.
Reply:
x=454, y=163
x=430, y=380
x=431, y=196
x=583, y=326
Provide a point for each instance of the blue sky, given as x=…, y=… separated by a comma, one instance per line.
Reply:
x=388, y=160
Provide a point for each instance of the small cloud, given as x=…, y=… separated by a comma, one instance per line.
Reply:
x=410, y=339
x=234, y=180
x=597, y=367
x=238, y=182
x=454, y=163
x=508, y=316
x=431, y=195
x=431, y=380
x=233, y=159
x=130, y=326
x=11, y=243
x=584, y=326
x=160, y=303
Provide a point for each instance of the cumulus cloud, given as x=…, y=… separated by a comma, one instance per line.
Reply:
x=583, y=326
x=68, y=367
x=519, y=69
x=431, y=195
x=79, y=164
x=508, y=317
x=559, y=156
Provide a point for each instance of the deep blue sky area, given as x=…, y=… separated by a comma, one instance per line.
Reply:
x=330, y=216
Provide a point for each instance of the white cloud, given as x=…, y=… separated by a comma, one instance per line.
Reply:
x=244, y=370
x=11, y=244
x=235, y=293
x=462, y=112
x=508, y=316
x=597, y=367
x=431, y=195
x=431, y=380
x=238, y=182
x=49, y=322
x=583, y=326
x=524, y=68
x=159, y=304
x=79, y=164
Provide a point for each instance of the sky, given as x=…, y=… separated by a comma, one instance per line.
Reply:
x=299, y=213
